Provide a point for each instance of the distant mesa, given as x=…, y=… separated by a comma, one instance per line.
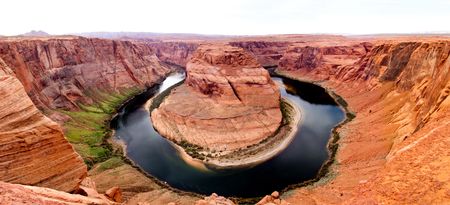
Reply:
x=34, y=33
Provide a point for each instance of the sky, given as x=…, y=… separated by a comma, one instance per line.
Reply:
x=229, y=17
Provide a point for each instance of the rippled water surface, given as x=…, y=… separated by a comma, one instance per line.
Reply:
x=300, y=161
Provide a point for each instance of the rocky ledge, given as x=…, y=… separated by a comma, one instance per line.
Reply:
x=227, y=104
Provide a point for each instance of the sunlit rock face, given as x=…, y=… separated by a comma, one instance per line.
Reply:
x=227, y=102
x=33, y=149
x=61, y=72
x=396, y=149
x=322, y=61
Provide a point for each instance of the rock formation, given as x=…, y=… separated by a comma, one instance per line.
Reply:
x=33, y=149
x=321, y=60
x=273, y=199
x=394, y=152
x=64, y=71
x=214, y=199
x=177, y=53
x=267, y=50
x=267, y=53
x=400, y=88
x=227, y=102
x=21, y=194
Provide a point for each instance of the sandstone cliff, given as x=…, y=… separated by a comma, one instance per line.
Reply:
x=395, y=151
x=33, y=148
x=418, y=69
x=177, y=53
x=62, y=72
x=321, y=60
x=227, y=102
x=268, y=53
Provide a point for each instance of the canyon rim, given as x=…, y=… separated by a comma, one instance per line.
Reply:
x=179, y=118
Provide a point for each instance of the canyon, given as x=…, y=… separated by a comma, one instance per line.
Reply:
x=390, y=88
x=62, y=72
x=394, y=151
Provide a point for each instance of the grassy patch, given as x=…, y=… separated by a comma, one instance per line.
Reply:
x=88, y=127
x=192, y=149
x=110, y=164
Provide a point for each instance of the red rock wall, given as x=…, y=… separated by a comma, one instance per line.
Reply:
x=33, y=149
x=58, y=72
x=419, y=69
x=396, y=149
x=268, y=53
x=321, y=61
x=177, y=53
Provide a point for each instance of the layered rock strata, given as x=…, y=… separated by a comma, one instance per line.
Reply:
x=227, y=102
x=267, y=53
x=61, y=72
x=322, y=60
x=401, y=89
x=394, y=152
x=33, y=149
x=177, y=53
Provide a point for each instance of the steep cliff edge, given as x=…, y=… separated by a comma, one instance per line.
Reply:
x=177, y=53
x=396, y=149
x=227, y=102
x=33, y=148
x=62, y=72
x=268, y=53
x=321, y=61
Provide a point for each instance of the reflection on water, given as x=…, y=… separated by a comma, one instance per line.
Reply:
x=300, y=161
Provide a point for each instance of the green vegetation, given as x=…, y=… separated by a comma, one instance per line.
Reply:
x=110, y=164
x=88, y=127
x=192, y=149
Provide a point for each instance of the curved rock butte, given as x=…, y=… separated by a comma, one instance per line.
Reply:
x=228, y=101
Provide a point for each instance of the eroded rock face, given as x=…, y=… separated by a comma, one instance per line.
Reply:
x=401, y=89
x=64, y=71
x=321, y=61
x=227, y=102
x=177, y=53
x=267, y=53
x=33, y=149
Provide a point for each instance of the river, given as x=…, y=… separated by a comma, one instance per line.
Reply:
x=299, y=162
